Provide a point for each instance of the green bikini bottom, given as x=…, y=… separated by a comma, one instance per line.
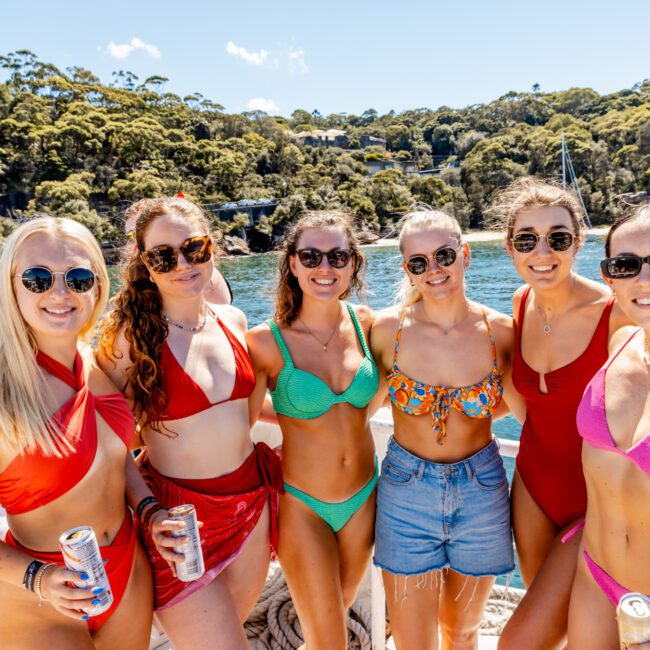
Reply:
x=336, y=515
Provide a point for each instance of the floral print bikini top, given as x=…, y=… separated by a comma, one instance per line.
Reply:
x=416, y=398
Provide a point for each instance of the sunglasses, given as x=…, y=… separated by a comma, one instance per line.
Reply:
x=623, y=266
x=443, y=256
x=163, y=258
x=39, y=279
x=311, y=258
x=558, y=241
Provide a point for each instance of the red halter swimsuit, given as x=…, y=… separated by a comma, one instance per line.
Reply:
x=33, y=480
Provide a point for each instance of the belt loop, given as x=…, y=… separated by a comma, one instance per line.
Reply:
x=468, y=469
x=420, y=473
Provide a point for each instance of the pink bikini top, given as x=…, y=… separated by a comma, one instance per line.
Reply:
x=592, y=418
x=32, y=479
x=185, y=397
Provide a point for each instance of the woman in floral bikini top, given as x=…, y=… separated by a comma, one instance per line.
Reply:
x=442, y=497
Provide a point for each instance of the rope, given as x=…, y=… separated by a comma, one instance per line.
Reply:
x=275, y=625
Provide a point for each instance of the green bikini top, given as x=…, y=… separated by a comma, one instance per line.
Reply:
x=304, y=396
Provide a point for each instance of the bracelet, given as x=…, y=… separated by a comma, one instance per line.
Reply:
x=150, y=513
x=30, y=574
x=143, y=504
x=37, y=582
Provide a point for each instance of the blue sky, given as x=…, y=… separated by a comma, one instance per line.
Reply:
x=343, y=56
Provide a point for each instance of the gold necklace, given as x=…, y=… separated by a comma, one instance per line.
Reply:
x=338, y=318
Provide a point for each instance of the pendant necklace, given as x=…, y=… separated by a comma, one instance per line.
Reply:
x=547, y=326
x=186, y=328
x=338, y=318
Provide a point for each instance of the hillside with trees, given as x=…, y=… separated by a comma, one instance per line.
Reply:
x=72, y=146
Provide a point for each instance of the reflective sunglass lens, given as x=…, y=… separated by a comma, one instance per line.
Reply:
x=310, y=258
x=339, y=258
x=197, y=250
x=623, y=267
x=445, y=256
x=80, y=280
x=417, y=265
x=37, y=279
x=560, y=241
x=524, y=242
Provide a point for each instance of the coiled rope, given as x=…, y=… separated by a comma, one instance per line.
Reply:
x=274, y=622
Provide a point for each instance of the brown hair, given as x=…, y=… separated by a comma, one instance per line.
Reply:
x=639, y=212
x=138, y=313
x=289, y=294
x=529, y=193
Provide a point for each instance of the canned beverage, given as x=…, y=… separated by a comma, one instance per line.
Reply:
x=633, y=615
x=193, y=567
x=81, y=553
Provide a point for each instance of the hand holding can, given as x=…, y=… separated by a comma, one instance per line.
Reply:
x=193, y=567
x=633, y=615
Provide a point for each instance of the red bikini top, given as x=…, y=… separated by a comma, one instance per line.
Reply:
x=32, y=479
x=185, y=397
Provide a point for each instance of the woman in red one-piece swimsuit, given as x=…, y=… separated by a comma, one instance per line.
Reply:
x=65, y=434
x=563, y=326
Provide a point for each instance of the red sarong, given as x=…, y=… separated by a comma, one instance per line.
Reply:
x=229, y=507
x=118, y=567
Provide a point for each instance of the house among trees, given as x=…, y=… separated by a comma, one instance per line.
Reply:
x=335, y=138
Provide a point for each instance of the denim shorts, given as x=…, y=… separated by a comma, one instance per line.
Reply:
x=436, y=515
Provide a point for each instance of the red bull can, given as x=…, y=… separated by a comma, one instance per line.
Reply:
x=81, y=553
x=193, y=567
x=633, y=615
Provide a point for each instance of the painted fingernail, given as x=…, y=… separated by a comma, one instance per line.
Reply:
x=85, y=617
x=96, y=602
x=98, y=590
x=84, y=576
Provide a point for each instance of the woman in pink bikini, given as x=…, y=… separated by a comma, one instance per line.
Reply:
x=614, y=421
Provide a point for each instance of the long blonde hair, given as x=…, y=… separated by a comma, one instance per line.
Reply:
x=24, y=420
x=423, y=218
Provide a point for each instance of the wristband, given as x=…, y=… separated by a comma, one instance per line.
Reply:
x=150, y=513
x=30, y=574
x=37, y=582
x=143, y=504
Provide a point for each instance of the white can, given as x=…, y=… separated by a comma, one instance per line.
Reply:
x=633, y=615
x=81, y=553
x=193, y=567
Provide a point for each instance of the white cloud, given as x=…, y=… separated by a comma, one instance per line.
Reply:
x=297, y=58
x=123, y=50
x=254, y=58
x=262, y=104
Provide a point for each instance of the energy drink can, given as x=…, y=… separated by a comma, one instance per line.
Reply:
x=81, y=553
x=633, y=615
x=193, y=567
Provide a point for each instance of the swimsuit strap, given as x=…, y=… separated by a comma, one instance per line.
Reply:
x=520, y=316
x=74, y=379
x=273, y=326
x=620, y=349
x=357, y=327
x=397, y=338
x=492, y=342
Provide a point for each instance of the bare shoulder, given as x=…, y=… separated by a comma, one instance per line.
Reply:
x=517, y=297
x=384, y=328
x=618, y=318
x=232, y=316
x=365, y=315
x=263, y=347
x=620, y=336
x=502, y=324
x=98, y=381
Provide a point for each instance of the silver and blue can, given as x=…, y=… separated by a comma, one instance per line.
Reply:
x=193, y=567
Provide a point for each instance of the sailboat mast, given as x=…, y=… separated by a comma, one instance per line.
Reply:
x=563, y=163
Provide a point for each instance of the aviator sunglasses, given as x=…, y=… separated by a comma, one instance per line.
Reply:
x=311, y=258
x=623, y=266
x=164, y=258
x=39, y=279
x=558, y=241
x=444, y=256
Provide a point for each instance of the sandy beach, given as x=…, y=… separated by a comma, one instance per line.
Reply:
x=475, y=236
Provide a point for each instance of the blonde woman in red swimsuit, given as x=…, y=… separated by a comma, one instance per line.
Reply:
x=563, y=323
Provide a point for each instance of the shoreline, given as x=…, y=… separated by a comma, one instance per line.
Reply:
x=479, y=236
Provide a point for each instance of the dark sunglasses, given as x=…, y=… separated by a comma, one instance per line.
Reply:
x=444, y=256
x=163, y=258
x=558, y=241
x=311, y=258
x=623, y=266
x=39, y=279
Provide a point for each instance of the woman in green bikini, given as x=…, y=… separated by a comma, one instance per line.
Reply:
x=315, y=359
